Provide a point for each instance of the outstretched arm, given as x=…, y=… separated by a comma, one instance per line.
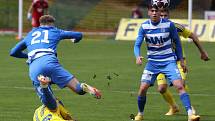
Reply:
x=77, y=36
x=17, y=50
x=204, y=55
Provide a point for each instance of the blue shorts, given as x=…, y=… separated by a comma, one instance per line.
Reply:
x=48, y=65
x=152, y=69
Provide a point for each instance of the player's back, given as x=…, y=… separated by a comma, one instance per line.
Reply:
x=42, y=37
x=43, y=114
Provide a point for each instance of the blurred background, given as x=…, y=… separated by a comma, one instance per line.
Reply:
x=104, y=62
x=94, y=15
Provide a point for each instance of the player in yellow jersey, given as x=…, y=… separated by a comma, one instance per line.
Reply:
x=161, y=80
x=44, y=114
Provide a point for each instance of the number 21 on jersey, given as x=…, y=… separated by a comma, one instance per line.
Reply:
x=40, y=37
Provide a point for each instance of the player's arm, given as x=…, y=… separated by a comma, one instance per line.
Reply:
x=188, y=34
x=17, y=51
x=178, y=49
x=204, y=55
x=29, y=12
x=137, y=46
x=77, y=36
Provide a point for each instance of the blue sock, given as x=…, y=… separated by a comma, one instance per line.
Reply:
x=48, y=99
x=79, y=90
x=185, y=101
x=141, y=100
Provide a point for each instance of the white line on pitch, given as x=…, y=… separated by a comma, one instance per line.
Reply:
x=113, y=91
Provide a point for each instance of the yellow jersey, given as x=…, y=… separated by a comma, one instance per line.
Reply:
x=182, y=32
x=44, y=114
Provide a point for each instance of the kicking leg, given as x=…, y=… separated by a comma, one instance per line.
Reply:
x=82, y=88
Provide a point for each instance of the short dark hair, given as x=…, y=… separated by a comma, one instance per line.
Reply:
x=165, y=10
x=46, y=20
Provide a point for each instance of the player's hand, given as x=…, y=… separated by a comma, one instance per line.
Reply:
x=204, y=56
x=183, y=66
x=139, y=60
x=74, y=40
x=29, y=17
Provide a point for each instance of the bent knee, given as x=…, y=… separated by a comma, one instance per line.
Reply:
x=180, y=88
x=162, y=89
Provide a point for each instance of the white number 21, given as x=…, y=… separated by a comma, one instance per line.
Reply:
x=37, y=34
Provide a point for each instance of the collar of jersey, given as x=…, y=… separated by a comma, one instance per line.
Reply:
x=155, y=23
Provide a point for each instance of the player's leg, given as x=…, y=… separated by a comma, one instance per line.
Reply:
x=141, y=100
x=63, y=78
x=148, y=77
x=167, y=95
x=185, y=100
x=183, y=76
x=43, y=66
x=45, y=93
x=173, y=75
x=82, y=88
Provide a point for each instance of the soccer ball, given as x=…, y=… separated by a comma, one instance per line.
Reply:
x=161, y=3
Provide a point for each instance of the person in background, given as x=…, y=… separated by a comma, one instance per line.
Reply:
x=136, y=13
x=37, y=9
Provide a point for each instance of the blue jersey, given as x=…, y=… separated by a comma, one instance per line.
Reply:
x=41, y=44
x=42, y=41
x=159, y=38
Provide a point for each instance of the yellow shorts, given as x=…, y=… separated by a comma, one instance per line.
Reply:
x=161, y=79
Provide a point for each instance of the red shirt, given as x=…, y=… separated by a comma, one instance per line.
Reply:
x=38, y=8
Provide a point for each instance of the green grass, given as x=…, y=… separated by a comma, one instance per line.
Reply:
x=103, y=58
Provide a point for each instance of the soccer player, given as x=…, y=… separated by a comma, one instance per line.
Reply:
x=44, y=114
x=159, y=35
x=37, y=9
x=44, y=67
x=161, y=81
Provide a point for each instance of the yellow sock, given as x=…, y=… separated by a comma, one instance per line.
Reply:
x=169, y=98
x=186, y=88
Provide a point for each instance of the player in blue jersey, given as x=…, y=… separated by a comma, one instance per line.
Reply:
x=161, y=81
x=159, y=35
x=44, y=67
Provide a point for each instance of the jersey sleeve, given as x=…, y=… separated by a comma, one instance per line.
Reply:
x=139, y=41
x=176, y=39
x=71, y=35
x=17, y=51
x=182, y=31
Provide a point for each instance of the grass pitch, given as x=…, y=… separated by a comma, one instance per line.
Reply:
x=110, y=66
